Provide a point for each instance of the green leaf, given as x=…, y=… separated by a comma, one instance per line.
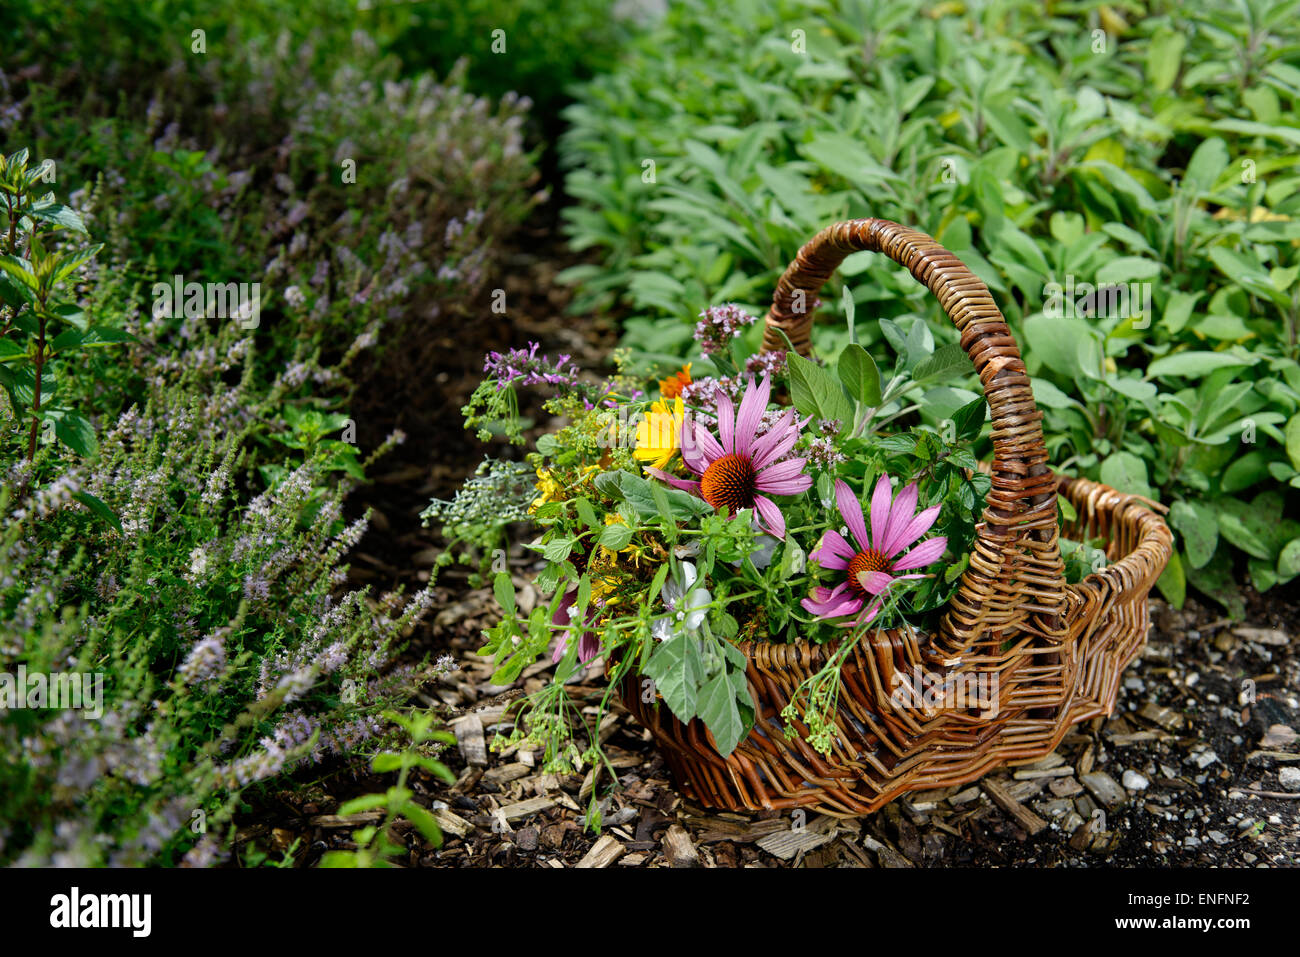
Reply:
x=58, y=215
x=1049, y=396
x=99, y=508
x=586, y=513
x=74, y=316
x=946, y=363
x=558, y=549
x=1178, y=310
x=1207, y=164
x=1173, y=582
x=970, y=418
x=615, y=537
x=1244, y=472
x=849, y=307
x=66, y=267
x=1196, y=524
x=1125, y=472
x=76, y=433
x=21, y=271
x=1246, y=527
x=504, y=590
x=1216, y=581
x=1164, y=55
x=1288, y=562
x=1248, y=272
x=657, y=583
x=920, y=343
x=367, y=802
x=423, y=821
x=386, y=762
x=815, y=391
x=1263, y=575
x=676, y=669
x=1066, y=228
x=1008, y=127
x=719, y=712
x=1288, y=134
x=583, y=598
x=793, y=560
x=1059, y=343
x=848, y=158
x=859, y=374
x=1293, y=440
x=1194, y=365
x=1127, y=269
x=639, y=493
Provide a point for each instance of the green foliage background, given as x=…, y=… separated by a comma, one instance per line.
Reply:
x=1124, y=143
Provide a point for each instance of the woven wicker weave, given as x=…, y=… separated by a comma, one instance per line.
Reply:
x=1057, y=650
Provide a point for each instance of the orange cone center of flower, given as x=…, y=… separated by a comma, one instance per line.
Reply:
x=729, y=483
x=869, y=561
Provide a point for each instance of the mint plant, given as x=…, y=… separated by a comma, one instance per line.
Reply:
x=41, y=332
x=375, y=847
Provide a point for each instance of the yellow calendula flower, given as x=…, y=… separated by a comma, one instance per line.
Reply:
x=659, y=434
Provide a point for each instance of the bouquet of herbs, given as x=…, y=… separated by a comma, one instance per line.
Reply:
x=738, y=499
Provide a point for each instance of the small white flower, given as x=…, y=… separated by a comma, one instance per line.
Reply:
x=687, y=604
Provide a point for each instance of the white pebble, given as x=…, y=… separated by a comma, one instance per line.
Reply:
x=1134, y=781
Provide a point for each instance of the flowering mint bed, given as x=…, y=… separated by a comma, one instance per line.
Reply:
x=736, y=499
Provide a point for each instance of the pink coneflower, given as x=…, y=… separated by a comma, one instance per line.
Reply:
x=738, y=465
x=872, y=567
x=588, y=644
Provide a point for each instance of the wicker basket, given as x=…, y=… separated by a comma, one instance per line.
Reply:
x=1046, y=654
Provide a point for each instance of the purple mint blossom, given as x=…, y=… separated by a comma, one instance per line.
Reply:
x=719, y=325
x=703, y=391
x=526, y=367
x=562, y=620
x=206, y=660
x=766, y=363
x=823, y=454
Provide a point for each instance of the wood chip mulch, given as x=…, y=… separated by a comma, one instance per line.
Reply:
x=1184, y=774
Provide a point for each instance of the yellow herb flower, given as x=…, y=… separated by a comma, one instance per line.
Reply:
x=658, y=435
x=549, y=487
x=603, y=569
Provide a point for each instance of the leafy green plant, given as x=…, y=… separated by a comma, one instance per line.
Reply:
x=195, y=558
x=1065, y=156
x=41, y=333
x=374, y=844
x=533, y=48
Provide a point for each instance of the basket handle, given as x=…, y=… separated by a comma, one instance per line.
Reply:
x=1016, y=565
